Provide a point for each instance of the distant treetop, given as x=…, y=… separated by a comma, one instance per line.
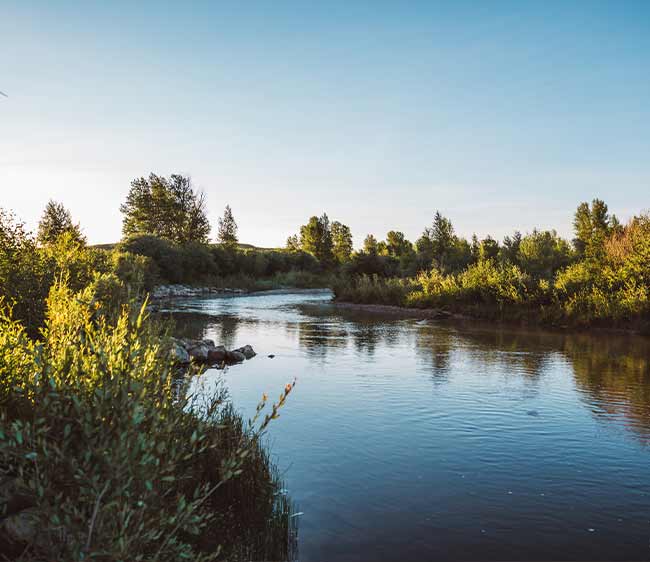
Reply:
x=165, y=207
x=55, y=222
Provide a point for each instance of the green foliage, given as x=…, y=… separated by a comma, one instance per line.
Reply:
x=397, y=245
x=535, y=277
x=316, y=239
x=488, y=249
x=168, y=208
x=293, y=243
x=372, y=289
x=196, y=263
x=103, y=456
x=341, y=242
x=436, y=243
x=227, y=232
x=370, y=245
x=55, y=222
x=592, y=227
x=543, y=253
x=28, y=271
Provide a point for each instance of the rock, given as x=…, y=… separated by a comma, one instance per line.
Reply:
x=247, y=351
x=199, y=353
x=217, y=355
x=235, y=357
x=180, y=354
x=209, y=343
x=271, y=356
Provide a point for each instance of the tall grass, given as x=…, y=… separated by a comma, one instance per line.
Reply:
x=102, y=458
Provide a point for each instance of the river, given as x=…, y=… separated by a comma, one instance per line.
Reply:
x=411, y=440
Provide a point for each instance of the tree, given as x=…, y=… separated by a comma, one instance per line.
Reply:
x=475, y=248
x=510, y=249
x=341, y=242
x=55, y=222
x=489, y=249
x=227, y=232
x=316, y=239
x=397, y=245
x=293, y=243
x=370, y=245
x=592, y=226
x=543, y=253
x=437, y=242
x=165, y=207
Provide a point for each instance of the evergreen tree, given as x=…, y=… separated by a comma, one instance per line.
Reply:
x=165, y=207
x=510, y=249
x=56, y=221
x=227, y=232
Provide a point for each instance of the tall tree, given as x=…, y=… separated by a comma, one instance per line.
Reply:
x=56, y=221
x=370, y=245
x=341, y=242
x=438, y=241
x=397, y=245
x=489, y=248
x=510, y=248
x=592, y=226
x=227, y=232
x=316, y=239
x=165, y=207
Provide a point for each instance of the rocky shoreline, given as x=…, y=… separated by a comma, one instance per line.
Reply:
x=162, y=292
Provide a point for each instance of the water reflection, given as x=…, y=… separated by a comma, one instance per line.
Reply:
x=611, y=371
x=614, y=377
x=424, y=440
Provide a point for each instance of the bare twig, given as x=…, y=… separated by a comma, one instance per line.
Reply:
x=94, y=516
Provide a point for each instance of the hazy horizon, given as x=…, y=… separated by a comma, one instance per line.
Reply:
x=502, y=116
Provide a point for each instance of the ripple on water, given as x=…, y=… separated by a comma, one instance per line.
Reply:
x=417, y=440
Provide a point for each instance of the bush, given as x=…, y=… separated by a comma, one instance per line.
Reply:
x=103, y=457
x=372, y=289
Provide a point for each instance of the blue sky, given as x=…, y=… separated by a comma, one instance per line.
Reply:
x=502, y=115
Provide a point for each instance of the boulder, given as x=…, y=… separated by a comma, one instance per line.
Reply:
x=247, y=351
x=235, y=357
x=217, y=354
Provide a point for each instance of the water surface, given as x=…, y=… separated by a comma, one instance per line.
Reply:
x=417, y=440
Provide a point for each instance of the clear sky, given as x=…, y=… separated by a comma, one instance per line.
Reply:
x=503, y=115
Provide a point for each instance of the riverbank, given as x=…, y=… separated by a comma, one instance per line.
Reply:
x=490, y=316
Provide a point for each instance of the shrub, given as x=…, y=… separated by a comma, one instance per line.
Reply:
x=103, y=457
x=372, y=289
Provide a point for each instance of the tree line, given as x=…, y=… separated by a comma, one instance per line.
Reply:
x=166, y=239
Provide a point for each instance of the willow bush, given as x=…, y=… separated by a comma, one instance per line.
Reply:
x=104, y=457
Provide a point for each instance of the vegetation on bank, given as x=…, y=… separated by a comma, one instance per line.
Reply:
x=103, y=453
x=104, y=456
x=602, y=277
